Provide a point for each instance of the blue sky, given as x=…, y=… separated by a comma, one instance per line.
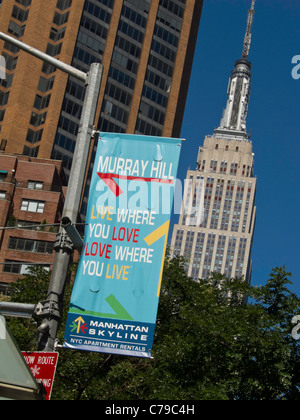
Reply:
x=273, y=118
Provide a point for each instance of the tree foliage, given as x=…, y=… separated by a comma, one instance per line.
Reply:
x=209, y=344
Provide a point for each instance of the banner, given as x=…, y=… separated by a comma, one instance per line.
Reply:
x=116, y=292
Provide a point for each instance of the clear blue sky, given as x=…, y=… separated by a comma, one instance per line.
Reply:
x=273, y=118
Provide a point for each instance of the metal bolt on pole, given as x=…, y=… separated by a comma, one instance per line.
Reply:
x=50, y=310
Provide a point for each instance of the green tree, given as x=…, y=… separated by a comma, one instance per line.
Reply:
x=30, y=289
x=209, y=344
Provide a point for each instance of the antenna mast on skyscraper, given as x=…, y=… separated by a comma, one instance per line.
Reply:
x=235, y=113
x=248, y=36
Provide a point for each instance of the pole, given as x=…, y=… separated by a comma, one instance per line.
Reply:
x=50, y=310
x=80, y=75
x=17, y=310
x=53, y=304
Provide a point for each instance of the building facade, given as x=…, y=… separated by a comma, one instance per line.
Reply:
x=146, y=48
x=216, y=225
x=32, y=195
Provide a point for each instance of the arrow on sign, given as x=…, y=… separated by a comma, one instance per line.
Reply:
x=120, y=311
x=157, y=234
x=79, y=325
x=111, y=183
x=109, y=180
x=154, y=237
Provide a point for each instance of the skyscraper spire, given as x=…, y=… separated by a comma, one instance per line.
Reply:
x=216, y=225
x=248, y=36
x=234, y=117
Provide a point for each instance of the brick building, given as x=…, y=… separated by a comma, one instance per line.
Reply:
x=146, y=48
x=32, y=194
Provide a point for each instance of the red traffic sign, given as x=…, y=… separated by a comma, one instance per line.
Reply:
x=43, y=367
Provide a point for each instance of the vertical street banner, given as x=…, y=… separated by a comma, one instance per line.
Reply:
x=116, y=292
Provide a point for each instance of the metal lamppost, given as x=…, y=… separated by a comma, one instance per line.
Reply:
x=50, y=310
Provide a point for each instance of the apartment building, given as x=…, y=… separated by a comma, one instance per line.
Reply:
x=32, y=195
x=146, y=48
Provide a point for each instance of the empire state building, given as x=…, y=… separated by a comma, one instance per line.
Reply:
x=216, y=225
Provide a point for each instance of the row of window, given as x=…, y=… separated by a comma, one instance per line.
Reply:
x=125, y=60
x=33, y=206
x=98, y=12
x=89, y=49
x=21, y=268
x=30, y=245
x=208, y=264
x=241, y=194
x=57, y=33
x=222, y=167
x=160, y=68
x=15, y=29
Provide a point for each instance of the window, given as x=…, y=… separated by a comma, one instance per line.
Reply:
x=33, y=206
x=168, y=20
x=41, y=102
x=4, y=98
x=166, y=36
x=134, y=17
x=48, y=69
x=172, y=7
x=57, y=35
x=5, y=289
x=45, y=84
x=8, y=61
x=72, y=108
x=31, y=151
x=38, y=119
x=90, y=42
x=94, y=27
x=34, y=136
x=16, y=267
x=3, y=175
x=61, y=19
x=15, y=29
x=35, y=185
x=63, y=4
x=29, y=245
x=25, y=3
x=223, y=167
x=213, y=165
x=2, y=195
x=20, y=14
x=98, y=12
x=53, y=50
x=233, y=168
